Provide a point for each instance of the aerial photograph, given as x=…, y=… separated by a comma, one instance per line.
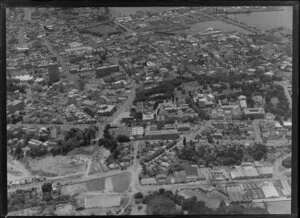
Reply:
x=149, y=110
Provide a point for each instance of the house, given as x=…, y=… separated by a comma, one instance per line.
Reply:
x=148, y=181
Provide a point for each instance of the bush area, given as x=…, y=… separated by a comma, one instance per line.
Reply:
x=230, y=154
x=22, y=199
x=287, y=162
x=282, y=108
x=74, y=138
x=164, y=203
x=165, y=88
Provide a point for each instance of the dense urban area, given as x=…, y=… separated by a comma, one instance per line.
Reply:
x=144, y=115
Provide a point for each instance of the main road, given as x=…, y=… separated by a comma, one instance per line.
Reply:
x=287, y=94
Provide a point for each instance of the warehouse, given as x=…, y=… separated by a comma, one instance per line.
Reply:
x=161, y=135
x=106, y=70
x=269, y=190
x=265, y=172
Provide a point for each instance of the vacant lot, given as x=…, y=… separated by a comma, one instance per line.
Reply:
x=121, y=182
x=15, y=170
x=74, y=189
x=88, y=151
x=96, y=185
x=279, y=207
x=111, y=200
x=58, y=165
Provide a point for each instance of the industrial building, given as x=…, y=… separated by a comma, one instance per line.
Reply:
x=16, y=105
x=106, y=70
x=161, y=135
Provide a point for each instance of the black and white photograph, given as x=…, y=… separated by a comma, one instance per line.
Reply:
x=149, y=110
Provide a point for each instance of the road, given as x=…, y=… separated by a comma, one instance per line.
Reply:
x=286, y=92
x=257, y=132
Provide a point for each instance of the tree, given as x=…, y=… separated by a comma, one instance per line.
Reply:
x=123, y=138
x=47, y=187
x=138, y=195
x=184, y=141
x=161, y=191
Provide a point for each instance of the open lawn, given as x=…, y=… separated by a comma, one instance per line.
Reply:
x=279, y=207
x=95, y=185
x=111, y=200
x=121, y=182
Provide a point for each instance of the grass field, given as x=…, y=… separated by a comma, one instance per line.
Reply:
x=121, y=182
x=96, y=185
x=279, y=207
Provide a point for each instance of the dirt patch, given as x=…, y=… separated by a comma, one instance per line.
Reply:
x=58, y=165
x=16, y=170
x=109, y=184
x=87, y=151
x=74, y=189
x=95, y=185
x=121, y=182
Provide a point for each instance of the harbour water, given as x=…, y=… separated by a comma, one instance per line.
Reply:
x=262, y=20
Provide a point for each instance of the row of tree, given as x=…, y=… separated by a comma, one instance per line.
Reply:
x=227, y=155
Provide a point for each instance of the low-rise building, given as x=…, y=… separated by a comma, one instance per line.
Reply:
x=254, y=113
x=106, y=110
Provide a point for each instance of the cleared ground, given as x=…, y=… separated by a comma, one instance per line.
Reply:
x=118, y=183
x=279, y=207
x=112, y=200
x=96, y=185
x=58, y=165
x=121, y=182
x=74, y=189
x=16, y=170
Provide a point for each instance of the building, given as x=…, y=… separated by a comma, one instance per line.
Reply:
x=106, y=70
x=106, y=110
x=119, y=84
x=254, y=113
x=269, y=190
x=161, y=135
x=265, y=172
x=160, y=119
x=59, y=86
x=243, y=102
x=16, y=105
x=183, y=127
x=53, y=73
x=137, y=131
x=148, y=181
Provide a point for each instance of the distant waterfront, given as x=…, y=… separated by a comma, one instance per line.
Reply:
x=261, y=20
